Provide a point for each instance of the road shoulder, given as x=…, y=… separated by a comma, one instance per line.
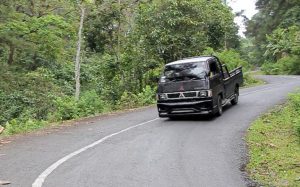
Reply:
x=274, y=146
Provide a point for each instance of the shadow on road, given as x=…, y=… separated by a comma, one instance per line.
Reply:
x=198, y=117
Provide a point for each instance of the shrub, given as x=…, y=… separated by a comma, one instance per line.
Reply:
x=250, y=80
x=30, y=93
x=147, y=97
x=128, y=100
x=233, y=59
x=131, y=100
x=66, y=108
x=289, y=65
x=270, y=68
x=64, y=76
x=90, y=103
x=22, y=125
x=286, y=65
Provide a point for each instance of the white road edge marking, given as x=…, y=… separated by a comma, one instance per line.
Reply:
x=268, y=88
x=42, y=177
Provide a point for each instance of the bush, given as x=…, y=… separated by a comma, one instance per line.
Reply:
x=290, y=65
x=63, y=75
x=250, y=80
x=22, y=125
x=68, y=108
x=90, y=103
x=233, y=60
x=147, y=97
x=270, y=68
x=31, y=94
x=287, y=65
x=128, y=100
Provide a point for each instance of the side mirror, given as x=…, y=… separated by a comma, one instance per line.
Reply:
x=206, y=74
x=210, y=74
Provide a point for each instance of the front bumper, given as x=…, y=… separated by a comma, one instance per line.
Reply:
x=181, y=108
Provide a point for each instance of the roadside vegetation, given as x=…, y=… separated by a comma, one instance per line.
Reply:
x=273, y=43
x=250, y=80
x=273, y=37
x=274, y=146
x=123, y=49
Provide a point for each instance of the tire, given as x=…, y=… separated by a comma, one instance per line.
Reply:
x=235, y=100
x=219, y=107
x=172, y=118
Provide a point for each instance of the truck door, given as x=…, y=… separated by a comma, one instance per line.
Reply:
x=228, y=85
x=215, y=77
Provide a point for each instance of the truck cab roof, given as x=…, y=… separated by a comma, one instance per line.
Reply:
x=191, y=60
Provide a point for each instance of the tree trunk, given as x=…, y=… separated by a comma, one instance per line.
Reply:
x=32, y=7
x=77, y=61
x=119, y=46
x=225, y=42
x=119, y=32
x=11, y=55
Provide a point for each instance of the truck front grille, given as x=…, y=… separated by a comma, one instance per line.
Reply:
x=173, y=95
x=180, y=95
x=190, y=94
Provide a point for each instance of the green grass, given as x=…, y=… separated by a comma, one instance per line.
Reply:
x=259, y=72
x=250, y=80
x=17, y=127
x=274, y=146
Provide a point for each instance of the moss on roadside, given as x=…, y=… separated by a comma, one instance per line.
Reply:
x=274, y=146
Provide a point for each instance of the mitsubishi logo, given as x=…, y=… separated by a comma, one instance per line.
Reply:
x=181, y=88
x=181, y=95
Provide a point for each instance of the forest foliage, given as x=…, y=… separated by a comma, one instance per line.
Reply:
x=125, y=45
x=275, y=35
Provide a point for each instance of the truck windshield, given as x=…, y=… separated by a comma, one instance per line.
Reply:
x=185, y=71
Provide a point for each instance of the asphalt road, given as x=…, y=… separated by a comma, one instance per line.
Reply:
x=136, y=149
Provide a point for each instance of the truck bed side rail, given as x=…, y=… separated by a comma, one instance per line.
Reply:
x=236, y=71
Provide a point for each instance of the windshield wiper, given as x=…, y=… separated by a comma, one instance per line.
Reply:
x=184, y=78
x=195, y=77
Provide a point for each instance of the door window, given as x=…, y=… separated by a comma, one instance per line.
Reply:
x=214, y=69
x=225, y=72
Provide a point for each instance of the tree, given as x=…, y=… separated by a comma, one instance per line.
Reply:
x=275, y=33
x=272, y=14
x=77, y=59
x=82, y=8
x=284, y=42
x=177, y=29
x=37, y=27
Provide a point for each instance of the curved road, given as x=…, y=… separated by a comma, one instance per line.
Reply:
x=136, y=149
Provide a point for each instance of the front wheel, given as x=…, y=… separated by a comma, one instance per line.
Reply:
x=219, y=107
x=235, y=100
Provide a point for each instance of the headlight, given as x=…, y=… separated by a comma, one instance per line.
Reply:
x=161, y=96
x=162, y=79
x=205, y=93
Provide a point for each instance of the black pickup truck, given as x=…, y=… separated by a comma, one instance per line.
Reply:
x=197, y=85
